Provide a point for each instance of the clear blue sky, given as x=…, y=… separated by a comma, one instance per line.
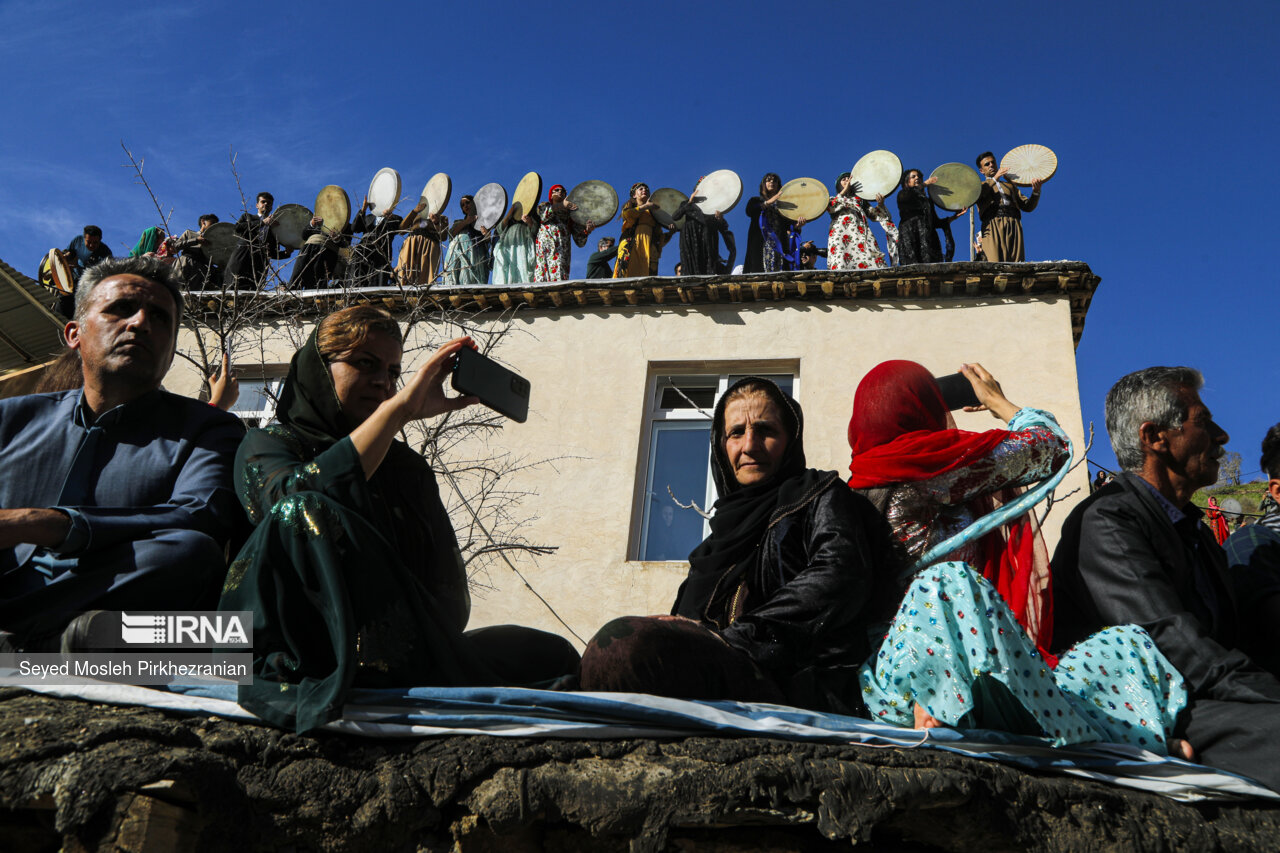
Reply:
x=1156, y=112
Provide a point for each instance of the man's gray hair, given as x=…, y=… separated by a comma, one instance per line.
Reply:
x=152, y=269
x=1146, y=395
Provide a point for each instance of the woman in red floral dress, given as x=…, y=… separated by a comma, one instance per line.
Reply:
x=850, y=243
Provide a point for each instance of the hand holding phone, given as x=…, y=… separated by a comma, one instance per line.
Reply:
x=423, y=395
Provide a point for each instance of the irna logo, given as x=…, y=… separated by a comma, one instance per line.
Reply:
x=184, y=629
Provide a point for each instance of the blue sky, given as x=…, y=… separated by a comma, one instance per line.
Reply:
x=1156, y=112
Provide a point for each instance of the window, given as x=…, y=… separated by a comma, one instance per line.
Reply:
x=677, y=458
x=259, y=392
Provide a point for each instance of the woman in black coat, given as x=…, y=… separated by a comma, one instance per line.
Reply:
x=781, y=598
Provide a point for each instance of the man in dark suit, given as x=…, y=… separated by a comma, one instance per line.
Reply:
x=371, y=260
x=116, y=495
x=256, y=245
x=1136, y=552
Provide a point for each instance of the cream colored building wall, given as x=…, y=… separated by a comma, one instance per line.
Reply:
x=590, y=370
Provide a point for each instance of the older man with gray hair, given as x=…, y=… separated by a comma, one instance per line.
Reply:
x=1137, y=552
x=117, y=495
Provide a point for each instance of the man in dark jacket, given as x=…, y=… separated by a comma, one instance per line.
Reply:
x=257, y=244
x=1137, y=552
x=371, y=261
x=117, y=495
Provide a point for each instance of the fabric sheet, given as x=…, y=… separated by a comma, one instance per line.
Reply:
x=516, y=712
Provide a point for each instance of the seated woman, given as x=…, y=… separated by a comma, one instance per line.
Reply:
x=933, y=481
x=353, y=573
x=776, y=603
x=956, y=653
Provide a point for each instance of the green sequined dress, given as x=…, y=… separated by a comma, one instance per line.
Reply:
x=356, y=582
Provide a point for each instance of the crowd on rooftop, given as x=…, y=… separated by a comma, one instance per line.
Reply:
x=537, y=245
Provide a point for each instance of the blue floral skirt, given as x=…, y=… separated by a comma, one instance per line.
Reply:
x=956, y=649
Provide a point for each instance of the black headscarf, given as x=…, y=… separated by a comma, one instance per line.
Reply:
x=309, y=402
x=402, y=498
x=744, y=513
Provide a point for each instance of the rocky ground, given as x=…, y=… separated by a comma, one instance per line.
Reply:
x=78, y=776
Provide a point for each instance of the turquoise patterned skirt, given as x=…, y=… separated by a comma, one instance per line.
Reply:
x=956, y=649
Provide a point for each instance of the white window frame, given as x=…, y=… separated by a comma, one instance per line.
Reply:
x=724, y=373
x=271, y=377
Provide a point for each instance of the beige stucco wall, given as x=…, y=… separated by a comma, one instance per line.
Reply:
x=589, y=369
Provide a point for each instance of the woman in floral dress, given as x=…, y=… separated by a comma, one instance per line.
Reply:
x=553, y=249
x=850, y=243
x=966, y=646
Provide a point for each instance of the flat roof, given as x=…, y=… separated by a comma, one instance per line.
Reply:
x=960, y=281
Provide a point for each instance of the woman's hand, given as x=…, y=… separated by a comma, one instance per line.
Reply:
x=988, y=392
x=224, y=387
x=931, y=181
x=423, y=396
x=880, y=199
x=568, y=205
x=923, y=719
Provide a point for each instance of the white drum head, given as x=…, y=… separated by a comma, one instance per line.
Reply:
x=668, y=201
x=59, y=273
x=879, y=173
x=436, y=194
x=1028, y=163
x=288, y=222
x=718, y=192
x=333, y=205
x=525, y=199
x=957, y=187
x=803, y=198
x=491, y=203
x=384, y=190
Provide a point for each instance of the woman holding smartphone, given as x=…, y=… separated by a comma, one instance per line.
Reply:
x=354, y=572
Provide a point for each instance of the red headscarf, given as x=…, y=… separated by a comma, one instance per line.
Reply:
x=902, y=432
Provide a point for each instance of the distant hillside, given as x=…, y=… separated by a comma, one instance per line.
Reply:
x=1249, y=495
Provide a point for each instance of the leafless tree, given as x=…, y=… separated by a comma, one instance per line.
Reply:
x=478, y=474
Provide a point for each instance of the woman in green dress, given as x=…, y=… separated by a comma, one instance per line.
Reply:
x=353, y=572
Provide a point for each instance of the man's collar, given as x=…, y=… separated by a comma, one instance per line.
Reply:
x=1176, y=514
x=83, y=415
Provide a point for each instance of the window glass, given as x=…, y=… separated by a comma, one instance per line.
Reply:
x=678, y=462
x=256, y=405
x=687, y=392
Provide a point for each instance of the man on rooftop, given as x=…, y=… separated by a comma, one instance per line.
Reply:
x=83, y=252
